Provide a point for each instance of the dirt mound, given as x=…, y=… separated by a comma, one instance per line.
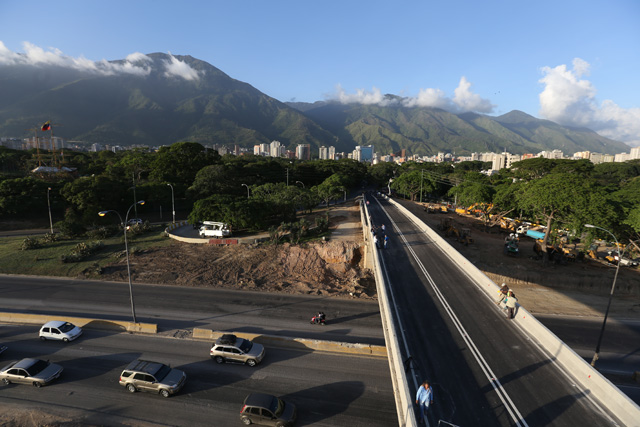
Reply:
x=323, y=268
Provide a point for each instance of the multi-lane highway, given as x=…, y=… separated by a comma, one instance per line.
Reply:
x=328, y=389
x=483, y=369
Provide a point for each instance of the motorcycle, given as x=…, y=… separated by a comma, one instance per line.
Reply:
x=318, y=319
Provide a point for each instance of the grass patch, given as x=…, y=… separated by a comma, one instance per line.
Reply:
x=45, y=260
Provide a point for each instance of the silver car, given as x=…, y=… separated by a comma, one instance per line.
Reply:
x=30, y=371
x=154, y=377
x=231, y=349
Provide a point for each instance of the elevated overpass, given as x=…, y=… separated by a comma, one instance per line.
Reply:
x=484, y=369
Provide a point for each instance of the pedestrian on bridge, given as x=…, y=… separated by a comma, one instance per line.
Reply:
x=504, y=290
x=424, y=398
x=511, y=301
x=386, y=240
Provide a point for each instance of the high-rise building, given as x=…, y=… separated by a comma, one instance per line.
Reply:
x=324, y=153
x=635, y=153
x=332, y=153
x=363, y=153
x=303, y=152
x=275, y=149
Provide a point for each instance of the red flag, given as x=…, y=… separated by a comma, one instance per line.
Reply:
x=46, y=126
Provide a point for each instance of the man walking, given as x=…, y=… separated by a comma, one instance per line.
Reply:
x=386, y=240
x=424, y=398
x=511, y=305
x=504, y=290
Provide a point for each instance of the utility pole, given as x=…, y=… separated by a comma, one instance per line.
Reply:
x=135, y=204
x=421, y=179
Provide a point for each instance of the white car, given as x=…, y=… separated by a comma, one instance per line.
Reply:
x=59, y=330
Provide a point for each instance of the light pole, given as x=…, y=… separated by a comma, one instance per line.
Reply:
x=173, y=204
x=300, y=182
x=248, y=194
x=126, y=250
x=49, y=206
x=613, y=287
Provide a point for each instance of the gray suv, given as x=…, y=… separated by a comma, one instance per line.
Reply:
x=266, y=409
x=143, y=375
x=229, y=348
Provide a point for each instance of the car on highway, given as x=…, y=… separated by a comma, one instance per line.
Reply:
x=153, y=377
x=229, y=348
x=266, y=409
x=59, y=330
x=30, y=371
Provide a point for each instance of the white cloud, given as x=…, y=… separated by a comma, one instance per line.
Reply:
x=570, y=100
x=463, y=100
x=430, y=98
x=37, y=56
x=360, y=97
x=469, y=101
x=176, y=68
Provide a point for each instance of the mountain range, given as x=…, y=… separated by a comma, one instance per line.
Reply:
x=210, y=107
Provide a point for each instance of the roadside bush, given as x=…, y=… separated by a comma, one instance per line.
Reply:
x=50, y=238
x=322, y=224
x=30, y=243
x=100, y=233
x=82, y=251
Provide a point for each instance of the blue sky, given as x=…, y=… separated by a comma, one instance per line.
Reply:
x=573, y=62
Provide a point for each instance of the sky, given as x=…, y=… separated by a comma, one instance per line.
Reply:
x=573, y=62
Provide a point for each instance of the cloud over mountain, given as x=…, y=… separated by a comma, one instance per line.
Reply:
x=569, y=99
x=135, y=64
x=464, y=99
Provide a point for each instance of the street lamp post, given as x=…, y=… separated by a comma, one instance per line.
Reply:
x=300, y=182
x=173, y=204
x=248, y=194
x=49, y=206
x=613, y=287
x=126, y=250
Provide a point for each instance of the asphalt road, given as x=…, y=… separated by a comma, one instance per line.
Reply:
x=328, y=389
x=483, y=369
x=181, y=308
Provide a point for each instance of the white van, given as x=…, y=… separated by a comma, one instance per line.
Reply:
x=214, y=229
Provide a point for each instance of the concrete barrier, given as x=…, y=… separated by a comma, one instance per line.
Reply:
x=41, y=319
x=403, y=396
x=298, y=343
x=593, y=382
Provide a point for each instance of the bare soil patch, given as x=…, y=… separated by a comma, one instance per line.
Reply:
x=578, y=288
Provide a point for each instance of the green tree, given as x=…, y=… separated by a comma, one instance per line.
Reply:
x=331, y=188
x=180, y=162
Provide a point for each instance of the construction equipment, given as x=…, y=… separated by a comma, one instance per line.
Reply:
x=465, y=236
x=511, y=243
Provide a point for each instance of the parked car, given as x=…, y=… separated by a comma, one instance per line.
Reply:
x=134, y=221
x=30, y=371
x=229, y=348
x=154, y=377
x=59, y=330
x=267, y=410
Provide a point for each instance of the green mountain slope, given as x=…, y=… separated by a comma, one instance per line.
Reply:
x=427, y=131
x=154, y=110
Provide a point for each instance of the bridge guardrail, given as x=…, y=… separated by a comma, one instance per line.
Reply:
x=404, y=398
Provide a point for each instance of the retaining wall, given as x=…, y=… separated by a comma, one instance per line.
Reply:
x=41, y=319
x=298, y=343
